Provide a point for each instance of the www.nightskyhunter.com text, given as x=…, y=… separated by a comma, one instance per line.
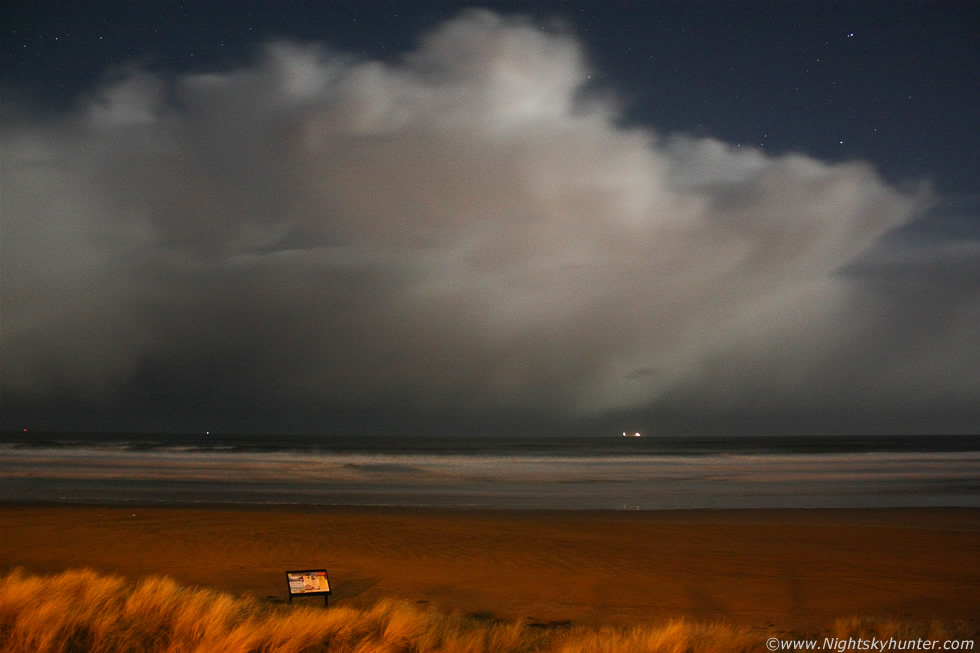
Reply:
x=872, y=644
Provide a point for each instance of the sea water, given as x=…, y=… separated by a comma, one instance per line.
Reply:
x=608, y=473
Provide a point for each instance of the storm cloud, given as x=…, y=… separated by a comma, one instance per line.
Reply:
x=469, y=230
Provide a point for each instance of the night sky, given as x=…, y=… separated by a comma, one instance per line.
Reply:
x=527, y=217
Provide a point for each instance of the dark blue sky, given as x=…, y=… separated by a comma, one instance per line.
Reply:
x=782, y=289
x=896, y=83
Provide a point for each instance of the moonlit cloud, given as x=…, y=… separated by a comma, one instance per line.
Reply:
x=464, y=231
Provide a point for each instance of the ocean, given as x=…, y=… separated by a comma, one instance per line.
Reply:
x=573, y=473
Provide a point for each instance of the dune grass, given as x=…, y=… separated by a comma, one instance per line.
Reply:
x=82, y=610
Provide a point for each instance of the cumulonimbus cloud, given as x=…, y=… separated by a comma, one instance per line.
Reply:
x=466, y=228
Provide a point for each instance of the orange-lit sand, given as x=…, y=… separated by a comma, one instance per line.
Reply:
x=789, y=569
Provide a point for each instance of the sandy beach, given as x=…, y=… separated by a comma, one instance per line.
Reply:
x=778, y=569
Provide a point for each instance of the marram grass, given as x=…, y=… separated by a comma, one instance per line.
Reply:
x=83, y=611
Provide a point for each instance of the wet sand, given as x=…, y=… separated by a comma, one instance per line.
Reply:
x=780, y=569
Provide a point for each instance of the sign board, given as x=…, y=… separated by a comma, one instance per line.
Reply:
x=308, y=582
